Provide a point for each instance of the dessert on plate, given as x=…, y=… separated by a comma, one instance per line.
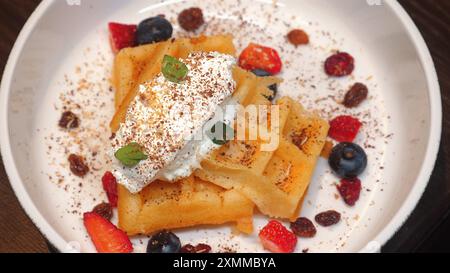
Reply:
x=200, y=137
x=192, y=179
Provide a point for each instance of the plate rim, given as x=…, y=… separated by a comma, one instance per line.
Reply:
x=406, y=208
x=434, y=139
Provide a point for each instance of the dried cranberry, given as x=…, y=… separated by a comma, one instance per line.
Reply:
x=191, y=19
x=339, y=64
x=104, y=210
x=328, y=218
x=69, y=120
x=187, y=249
x=357, y=94
x=109, y=183
x=350, y=190
x=298, y=37
x=77, y=165
x=202, y=248
x=303, y=227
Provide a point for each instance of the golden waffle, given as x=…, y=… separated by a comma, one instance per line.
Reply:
x=134, y=66
x=250, y=89
x=190, y=201
x=185, y=203
x=275, y=181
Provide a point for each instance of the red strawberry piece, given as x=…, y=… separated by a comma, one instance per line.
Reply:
x=106, y=237
x=344, y=128
x=260, y=57
x=339, y=65
x=121, y=36
x=110, y=186
x=277, y=238
x=350, y=190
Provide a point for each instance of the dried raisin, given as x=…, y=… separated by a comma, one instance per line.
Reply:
x=328, y=218
x=303, y=227
x=69, y=120
x=77, y=165
x=104, y=210
x=357, y=94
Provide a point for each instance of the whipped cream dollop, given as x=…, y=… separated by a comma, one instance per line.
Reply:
x=168, y=120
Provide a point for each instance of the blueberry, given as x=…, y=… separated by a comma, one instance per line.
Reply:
x=261, y=73
x=164, y=242
x=348, y=160
x=153, y=30
x=273, y=87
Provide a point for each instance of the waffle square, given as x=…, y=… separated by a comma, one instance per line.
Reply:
x=275, y=181
x=134, y=66
x=185, y=203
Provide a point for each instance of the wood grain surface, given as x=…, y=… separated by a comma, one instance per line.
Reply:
x=18, y=234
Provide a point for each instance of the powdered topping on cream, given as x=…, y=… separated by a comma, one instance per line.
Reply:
x=165, y=116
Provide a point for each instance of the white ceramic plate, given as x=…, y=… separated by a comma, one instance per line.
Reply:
x=62, y=56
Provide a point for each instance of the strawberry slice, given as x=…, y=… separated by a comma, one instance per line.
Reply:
x=344, y=128
x=277, y=238
x=260, y=57
x=121, y=36
x=106, y=237
x=110, y=186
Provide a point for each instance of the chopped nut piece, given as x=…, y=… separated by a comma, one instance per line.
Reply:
x=326, y=151
x=298, y=37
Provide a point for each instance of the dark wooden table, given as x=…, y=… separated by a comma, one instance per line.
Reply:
x=426, y=230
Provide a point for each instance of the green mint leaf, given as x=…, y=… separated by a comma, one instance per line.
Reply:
x=221, y=133
x=173, y=69
x=130, y=155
